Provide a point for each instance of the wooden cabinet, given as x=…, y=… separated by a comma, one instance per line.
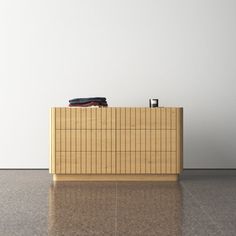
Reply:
x=116, y=143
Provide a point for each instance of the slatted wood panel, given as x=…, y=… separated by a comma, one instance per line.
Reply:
x=116, y=140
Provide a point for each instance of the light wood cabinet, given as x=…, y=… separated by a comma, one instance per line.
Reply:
x=116, y=143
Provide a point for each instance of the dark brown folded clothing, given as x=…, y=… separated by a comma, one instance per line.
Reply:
x=88, y=104
x=86, y=100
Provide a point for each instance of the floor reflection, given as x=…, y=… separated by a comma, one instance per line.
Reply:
x=149, y=209
x=109, y=208
x=82, y=208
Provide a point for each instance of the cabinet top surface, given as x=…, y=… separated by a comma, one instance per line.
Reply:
x=119, y=107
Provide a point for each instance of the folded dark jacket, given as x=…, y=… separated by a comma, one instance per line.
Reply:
x=88, y=104
x=85, y=100
x=100, y=103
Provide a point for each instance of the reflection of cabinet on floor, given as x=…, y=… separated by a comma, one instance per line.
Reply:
x=83, y=208
x=116, y=143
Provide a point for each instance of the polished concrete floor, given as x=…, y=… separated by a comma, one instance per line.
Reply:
x=201, y=203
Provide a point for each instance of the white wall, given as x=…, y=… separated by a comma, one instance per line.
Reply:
x=182, y=52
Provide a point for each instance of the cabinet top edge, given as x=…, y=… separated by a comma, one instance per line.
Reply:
x=116, y=107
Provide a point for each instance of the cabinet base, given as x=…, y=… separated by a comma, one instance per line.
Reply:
x=120, y=177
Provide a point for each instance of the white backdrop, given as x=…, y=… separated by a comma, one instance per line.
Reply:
x=182, y=52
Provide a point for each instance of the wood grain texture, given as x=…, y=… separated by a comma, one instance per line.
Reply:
x=116, y=141
x=52, y=137
x=109, y=177
x=180, y=139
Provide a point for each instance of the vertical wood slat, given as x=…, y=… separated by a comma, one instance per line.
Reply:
x=88, y=131
x=83, y=162
x=122, y=163
x=158, y=118
x=117, y=145
x=179, y=143
x=98, y=162
x=68, y=141
x=58, y=139
x=165, y=140
x=132, y=119
x=134, y=140
x=122, y=118
x=147, y=162
x=88, y=162
x=86, y=153
x=138, y=162
x=62, y=162
x=132, y=162
x=105, y=162
x=108, y=151
x=78, y=148
x=62, y=131
x=108, y=140
x=118, y=166
x=158, y=140
x=172, y=145
x=142, y=140
x=68, y=152
x=153, y=134
x=181, y=135
x=158, y=162
x=173, y=117
x=123, y=140
x=73, y=162
x=148, y=140
x=88, y=140
x=72, y=135
x=113, y=162
x=63, y=141
x=103, y=139
x=94, y=140
x=52, y=138
x=168, y=139
x=62, y=118
x=153, y=162
x=78, y=140
x=108, y=162
x=93, y=163
x=57, y=162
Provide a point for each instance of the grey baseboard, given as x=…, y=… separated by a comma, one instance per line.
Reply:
x=24, y=168
x=209, y=168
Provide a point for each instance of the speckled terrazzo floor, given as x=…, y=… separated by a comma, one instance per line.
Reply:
x=201, y=203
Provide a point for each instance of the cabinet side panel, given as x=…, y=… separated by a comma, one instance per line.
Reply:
x=182, y=138
x=179, y=129
x=52, y=141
